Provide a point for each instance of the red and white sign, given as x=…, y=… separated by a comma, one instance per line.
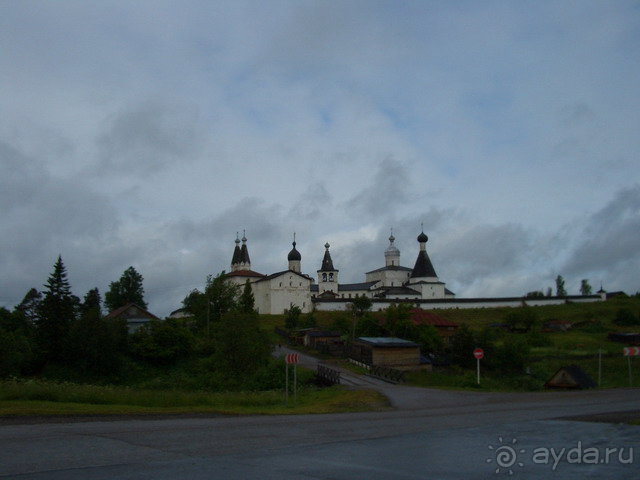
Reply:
x=478, y=353
x=292, y=357
x=631, y=351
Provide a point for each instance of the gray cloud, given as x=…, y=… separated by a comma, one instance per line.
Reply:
x=146, y=137
x=606, y=248
x=388, y=191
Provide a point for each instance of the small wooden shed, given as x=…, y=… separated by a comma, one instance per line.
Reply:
x=386, y=351
x=570, y=377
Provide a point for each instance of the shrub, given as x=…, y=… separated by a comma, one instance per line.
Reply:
x=625, y=317
x=162, y=342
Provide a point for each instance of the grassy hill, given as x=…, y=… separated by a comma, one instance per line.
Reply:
x=548, y=350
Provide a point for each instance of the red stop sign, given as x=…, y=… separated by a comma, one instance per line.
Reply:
x=478, y=353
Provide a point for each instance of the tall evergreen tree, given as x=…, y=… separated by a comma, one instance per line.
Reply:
x=585, y=288
x=560, y=290
x=126, y=290
x=246, y=302
x=55, y=313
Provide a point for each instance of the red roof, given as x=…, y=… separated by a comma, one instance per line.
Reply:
x=419, y=316
x=124, y=310
x=244, y=273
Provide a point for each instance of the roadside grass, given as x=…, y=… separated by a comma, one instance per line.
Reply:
x=35, y=397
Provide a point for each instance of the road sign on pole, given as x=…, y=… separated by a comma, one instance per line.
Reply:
x=630, y=352
x=478, y=353
x=291, y=358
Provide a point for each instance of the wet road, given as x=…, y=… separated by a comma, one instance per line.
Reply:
x=450, y=435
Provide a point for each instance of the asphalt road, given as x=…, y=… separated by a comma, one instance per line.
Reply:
x=437, y=434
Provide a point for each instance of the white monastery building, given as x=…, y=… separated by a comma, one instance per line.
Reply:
x=276, y=292
x=393, y=283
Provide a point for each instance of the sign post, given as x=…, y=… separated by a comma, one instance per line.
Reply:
x=291, y=358
x=630, y=352
x=479, y=354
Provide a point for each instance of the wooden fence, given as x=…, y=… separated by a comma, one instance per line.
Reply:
x=388, y=373
x=327, y=376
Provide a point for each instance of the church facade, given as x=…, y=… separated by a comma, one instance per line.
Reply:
x=393, y=282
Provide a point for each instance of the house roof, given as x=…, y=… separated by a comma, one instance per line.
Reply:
x=390, y=342
x=323, y=333
x=571, y=376
x=277, y=274
x=125, y=312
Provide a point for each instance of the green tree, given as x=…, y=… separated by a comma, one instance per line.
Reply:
x=16, y=349
x=241, y=347
x=535, y=294
x=585, y=288
x=292, y=317
x=56, y=311
x=463, y=342
x=95, y=344
x=162, y=342
x=560, y=290
x=29, y=305
x=128, y=289
x=246, y=302
x=208, y=307
x=358, y=306
x=396, y=321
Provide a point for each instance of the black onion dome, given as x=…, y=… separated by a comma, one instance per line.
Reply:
x=294, y=254
x=422, y=238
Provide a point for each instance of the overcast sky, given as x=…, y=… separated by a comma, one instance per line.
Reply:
x=148, y=133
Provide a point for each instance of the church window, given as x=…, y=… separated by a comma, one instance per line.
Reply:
x=291, y=284
x=331, y=277
x=324, y=277
x=280, y=283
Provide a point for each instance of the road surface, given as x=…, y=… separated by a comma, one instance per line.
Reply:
x=432, y=434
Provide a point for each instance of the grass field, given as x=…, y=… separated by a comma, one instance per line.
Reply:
x=34, y=397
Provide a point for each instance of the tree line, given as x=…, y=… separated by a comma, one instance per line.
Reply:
x=561, y=291
x=55, y=333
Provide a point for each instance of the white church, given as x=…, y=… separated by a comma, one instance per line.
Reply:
x=389, y=284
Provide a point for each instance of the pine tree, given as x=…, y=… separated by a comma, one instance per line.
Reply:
x=560, y=290
x=126, y=290
x=246, y=302
x=56, y=311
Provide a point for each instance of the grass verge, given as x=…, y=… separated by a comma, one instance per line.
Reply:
x=53, y=398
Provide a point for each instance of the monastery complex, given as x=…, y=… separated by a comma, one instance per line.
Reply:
x=392, y=283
